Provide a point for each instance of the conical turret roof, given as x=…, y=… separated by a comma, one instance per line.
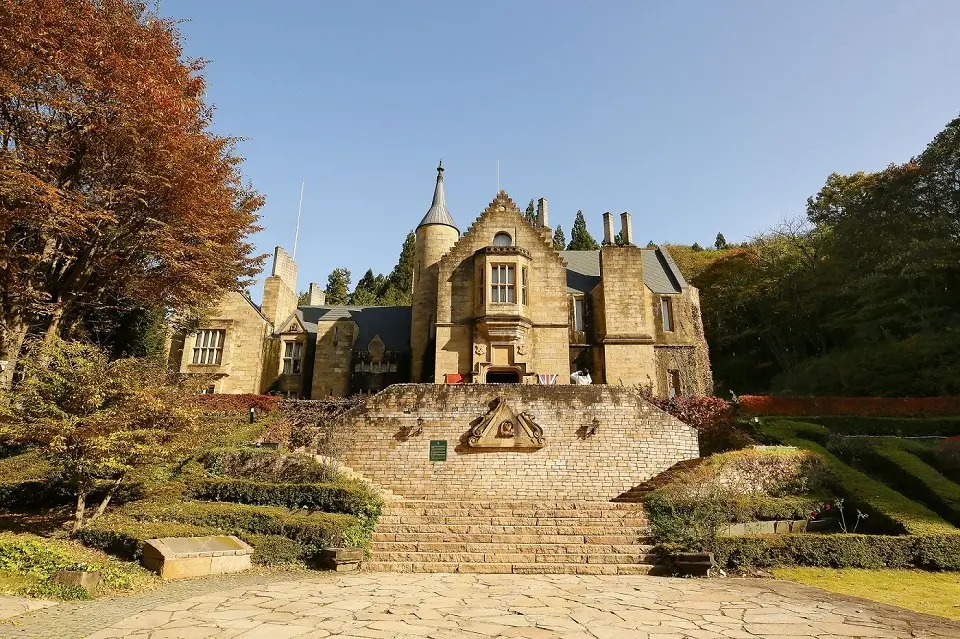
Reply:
x=438, y=213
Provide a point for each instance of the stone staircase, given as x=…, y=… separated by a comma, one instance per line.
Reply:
x=511, y=537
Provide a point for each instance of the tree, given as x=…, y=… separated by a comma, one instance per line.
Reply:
x=338, y=286
x=720, y=243
x=303, y=298
x=95, y=419
x=580, y=238
x=111, y=181
x=618, y=239
x=369, y=290
x=696, y=246
x=398, y=290
x=530, y=215
x=559, y=241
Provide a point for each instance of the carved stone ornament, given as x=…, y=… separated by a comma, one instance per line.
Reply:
x=480, y=349
x=502, y=427
x=522, y=348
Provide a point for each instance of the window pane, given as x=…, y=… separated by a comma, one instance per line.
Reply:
x=509, y=275
x=297, y=350
x=510, y=297
x=578, y=314
x=296, y=366
x=287, y=367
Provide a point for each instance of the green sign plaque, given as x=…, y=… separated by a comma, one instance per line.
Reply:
x=438, y=450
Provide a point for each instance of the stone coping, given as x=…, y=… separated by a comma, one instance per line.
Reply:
x=187, y=547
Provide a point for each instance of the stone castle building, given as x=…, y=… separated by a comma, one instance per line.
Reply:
x=493, y=304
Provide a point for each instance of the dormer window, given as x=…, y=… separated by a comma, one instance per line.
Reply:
x=502, y=239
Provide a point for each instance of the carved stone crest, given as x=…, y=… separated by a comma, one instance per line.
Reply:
x=522, y=348
x=480, y=349
x=502, y=427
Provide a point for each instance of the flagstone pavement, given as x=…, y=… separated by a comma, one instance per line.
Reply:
x=474, y=606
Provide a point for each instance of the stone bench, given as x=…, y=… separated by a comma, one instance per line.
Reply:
x=179, y=557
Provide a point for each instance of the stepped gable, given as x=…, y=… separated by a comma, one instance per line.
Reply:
x=598, y=442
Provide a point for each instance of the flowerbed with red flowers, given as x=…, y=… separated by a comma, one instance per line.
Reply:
x=875, y=406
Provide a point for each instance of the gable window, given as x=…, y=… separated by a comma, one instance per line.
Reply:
x=502, y=284
x=578, y=314
x=674, y=383
x=502, y=239
x=523, y=286
x=208, y=348
x=666, y=309
x=292, y=357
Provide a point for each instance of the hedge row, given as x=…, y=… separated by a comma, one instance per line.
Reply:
x=125, y=537
x=331, y=498
x=875, y=406
x=889, y=426
x=900, y=514
x=259, y=464
x=917, y=479
x=931, y=552
x=318, y=530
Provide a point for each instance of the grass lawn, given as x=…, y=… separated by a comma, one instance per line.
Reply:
x=935, y=593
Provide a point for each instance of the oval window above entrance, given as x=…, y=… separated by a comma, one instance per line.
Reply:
x=502, y=239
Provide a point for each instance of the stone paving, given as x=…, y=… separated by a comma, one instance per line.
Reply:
x=441, y=606
x=16, y=606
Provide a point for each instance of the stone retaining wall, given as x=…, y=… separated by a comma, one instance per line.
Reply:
x=634, y=441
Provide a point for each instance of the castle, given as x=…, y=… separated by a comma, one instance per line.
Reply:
x=495, y=304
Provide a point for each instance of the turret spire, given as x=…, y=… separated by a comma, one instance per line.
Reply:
x=438, y=213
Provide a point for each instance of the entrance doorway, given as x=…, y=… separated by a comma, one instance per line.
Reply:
x=503, y=377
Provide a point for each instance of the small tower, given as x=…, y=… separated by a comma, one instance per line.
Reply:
x=436, y=234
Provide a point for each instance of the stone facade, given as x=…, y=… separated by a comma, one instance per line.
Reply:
x=597, y=441
x=497, y=304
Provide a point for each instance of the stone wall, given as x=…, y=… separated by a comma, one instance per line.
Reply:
x=633, y=442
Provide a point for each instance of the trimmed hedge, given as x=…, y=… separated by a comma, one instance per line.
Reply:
x=318, y=530
x=889, y=426
x=276, y=550
x=331, y=498
x=876, y=406
x=900, y=514
x=915, y=478
x=265, y=465
x=931, y=552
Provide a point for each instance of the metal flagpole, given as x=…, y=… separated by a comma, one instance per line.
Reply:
x=296, y=236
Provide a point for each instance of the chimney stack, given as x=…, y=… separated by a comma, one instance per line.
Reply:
x=317, y=296
x=626, y=229
x=608, y=228
x=542, y=218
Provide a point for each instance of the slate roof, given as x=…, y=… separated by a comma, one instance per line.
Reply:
x=660, y=272
x=438, y=213
x=392, y=323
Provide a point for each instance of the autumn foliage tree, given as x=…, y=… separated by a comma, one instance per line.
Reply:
x=95, y=419
x=111, y=184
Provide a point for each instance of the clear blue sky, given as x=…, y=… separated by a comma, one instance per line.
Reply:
x=696, y=117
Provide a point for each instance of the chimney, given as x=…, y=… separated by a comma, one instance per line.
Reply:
x=608, y=228
x=317, y=296
x=626, y=229
x=542, y=218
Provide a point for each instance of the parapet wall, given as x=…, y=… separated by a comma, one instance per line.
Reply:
x=633, y=441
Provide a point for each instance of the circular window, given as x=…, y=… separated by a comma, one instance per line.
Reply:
x=502, y=239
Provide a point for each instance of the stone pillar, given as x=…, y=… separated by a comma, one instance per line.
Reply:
x=626, y=228
x=608, y=228
x=317, y=295
x=542, y=217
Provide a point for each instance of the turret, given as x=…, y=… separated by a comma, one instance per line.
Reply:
x=436, y=235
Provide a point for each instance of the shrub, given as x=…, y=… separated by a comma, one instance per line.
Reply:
x=353, y=499
x=885, y=505
x=712, y=417
x=947, y=455
x=917, y=479
x=266, y=466
x=302, y=418
x=276, y=550
x=932, y=552
x=231, y=404
x=771, y=471
x=124, y=537
x=892, y=426
x=873, y=406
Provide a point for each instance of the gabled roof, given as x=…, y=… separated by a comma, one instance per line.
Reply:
x=438, y=213
x=391, y=323
x=660, y=272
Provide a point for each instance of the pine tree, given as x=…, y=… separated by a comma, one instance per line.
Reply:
x=368, y=290
x=559, y=241
x=696, y=246
x=303, y=298
x=721, y=242
x=338, y=286
x=580, y=238
x=530, y=215
x=618, y=238
x=398, y=286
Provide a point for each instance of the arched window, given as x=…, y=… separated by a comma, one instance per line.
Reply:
x=502, y=239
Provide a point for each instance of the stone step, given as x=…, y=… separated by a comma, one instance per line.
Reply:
x=524, y=548
x=518, y=558
x=537, y=531
x=591, y=509
x=503, y=567
x=546, y=535
x=509, y=521
x=500, y=504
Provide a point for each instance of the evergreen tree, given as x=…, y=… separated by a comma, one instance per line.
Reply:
x=368, y=290
x=530, y=215
x=559, y=241
x=398, y=286
x=651, y=244
x=721, y=242
x=696, y=246
x=303, y=298
x=338, y=286
x=618, y=238
x=580, y=238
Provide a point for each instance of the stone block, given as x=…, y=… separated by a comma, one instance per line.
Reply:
x=181, y=557
x=87, y=580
